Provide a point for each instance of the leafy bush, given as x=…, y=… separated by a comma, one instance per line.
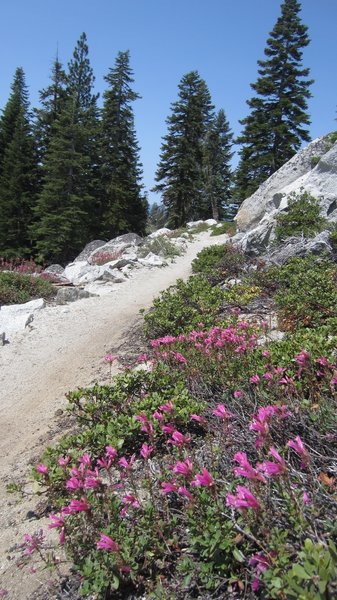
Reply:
x=20, y=265
x=242, y=294
x=228, y=227
x=212, y=474
x=183, y=306
x=16, y=288
x=162, y=246
x=219, y=262
x=308, y=293
x=302, y=217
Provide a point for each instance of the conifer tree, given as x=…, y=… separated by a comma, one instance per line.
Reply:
x=179, y=173
x=66, y=205
x=124, y=207
x=52, y=100
x=18, y=172
x=217, y=170
x=276, y=125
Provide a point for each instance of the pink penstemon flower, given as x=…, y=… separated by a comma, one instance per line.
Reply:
x=261, y=563
x=244, y=499
x=158, y=416
x=63, y=461
x=74, y=484
x=255, y=379
x=104, y=463
x=184, y=468
x=128, y=500
x=107, y=543
x=298, y=446
x=85, y=460
x=42, y=469
x=110, y=358
x=92, y=483
x=125, y=464
x=222, y=412
x=183, y=491
x=78, y=506
x=58, y=522
x=146, y=451
x=168, y=428
x=111, y=452
x=169, y=486
x=272, y=469
x=306, y=498
x=203, y=479
x=168, y=407
x=178, y=439
x=146, y=427
x=246, y=469
x=237, y=394
x=32, y=542
x=198, y=419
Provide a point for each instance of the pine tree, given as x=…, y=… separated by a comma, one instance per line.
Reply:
x=124, y=206
x=180, y=170
x=217, y=170
x=18, y=172
x=276, y=125
x=52, y=100
x=66, y=205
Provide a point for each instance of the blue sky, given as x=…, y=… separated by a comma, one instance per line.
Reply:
x=222, y=39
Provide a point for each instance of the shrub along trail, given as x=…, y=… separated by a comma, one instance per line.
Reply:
x=62, y=350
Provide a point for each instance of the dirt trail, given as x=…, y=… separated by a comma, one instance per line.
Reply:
x=61, y=350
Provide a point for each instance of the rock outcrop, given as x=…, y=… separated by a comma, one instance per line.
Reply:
x=313, y=169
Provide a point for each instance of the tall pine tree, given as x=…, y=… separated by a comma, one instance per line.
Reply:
x=52, y=100
x=179, y=174
x=18, y=172
x=276, y=125
x=124, y=207
x=217, y=170
x=66, y=205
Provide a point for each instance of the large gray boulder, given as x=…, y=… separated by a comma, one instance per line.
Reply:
x=297, y=246
x=116, y=247
x=312, y=170
x=71, y=294
x=89, y=249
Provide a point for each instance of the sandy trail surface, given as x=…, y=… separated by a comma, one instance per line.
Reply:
x=62, y=349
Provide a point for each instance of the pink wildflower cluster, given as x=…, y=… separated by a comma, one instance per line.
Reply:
x=237, y=339
x=261, y=421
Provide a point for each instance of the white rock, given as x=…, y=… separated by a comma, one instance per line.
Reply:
x=108, y=273
x=151, y=260
x=211, y=222
x=159, y=232
x=75, y=270
x=297, y=173
x=257, y=216
x=192, y=224
x=16, y=317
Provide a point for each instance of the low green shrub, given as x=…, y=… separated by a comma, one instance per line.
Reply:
x=228, y=227
x=162, y=246
x=307, y=296
x=302, y=217
x=242, y=294
x=183, y=306
x=219, y=262
x=16, y=288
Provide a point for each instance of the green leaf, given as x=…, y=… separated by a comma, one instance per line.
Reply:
x=300, y=572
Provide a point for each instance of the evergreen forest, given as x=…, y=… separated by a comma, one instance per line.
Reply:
x=70, y=169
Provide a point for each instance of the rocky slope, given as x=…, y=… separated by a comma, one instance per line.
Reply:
x=313, y=169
